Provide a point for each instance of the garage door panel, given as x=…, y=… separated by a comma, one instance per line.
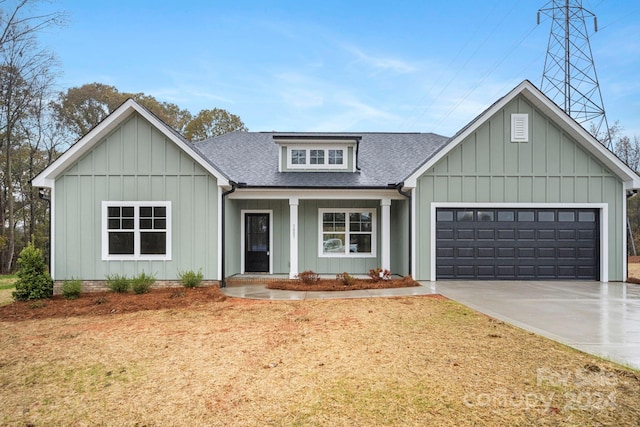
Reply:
x=465, y=234
x=526, y=252
x=517, y=243
x=486, y=253
x=586, y=234
x=486, y=234
x=506, y=234
x=526, y=234
x=465, y=252
x=446, y=233
x=546, y=234
x=567, y=253
x=546, y=252
x=506, y=252
x=567, y=235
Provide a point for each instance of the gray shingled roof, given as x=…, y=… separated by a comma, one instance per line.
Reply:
x=384, y=158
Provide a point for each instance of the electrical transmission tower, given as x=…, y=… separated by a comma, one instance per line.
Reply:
x=569, y=77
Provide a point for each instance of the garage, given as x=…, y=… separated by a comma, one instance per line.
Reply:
x=517, y=244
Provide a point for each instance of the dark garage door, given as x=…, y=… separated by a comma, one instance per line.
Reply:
x=516, y=244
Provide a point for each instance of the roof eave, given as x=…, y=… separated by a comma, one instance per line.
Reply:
x=555, y=113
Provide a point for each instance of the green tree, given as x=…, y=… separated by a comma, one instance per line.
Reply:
x=34, y=282
x=81, y=108
x=210, y=123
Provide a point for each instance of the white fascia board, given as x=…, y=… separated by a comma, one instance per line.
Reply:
x=556, y=114
x=582, y=136
x=47, y=177
x=319, y=194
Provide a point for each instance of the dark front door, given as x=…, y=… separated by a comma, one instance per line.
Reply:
x=256, y=242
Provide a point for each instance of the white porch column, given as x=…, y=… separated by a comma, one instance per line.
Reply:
x=385, y=261
x=293, y=237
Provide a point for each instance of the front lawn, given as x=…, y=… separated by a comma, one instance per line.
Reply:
x=410, y=361
x=7, y=286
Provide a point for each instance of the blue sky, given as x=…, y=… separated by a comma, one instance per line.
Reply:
x=403, y=66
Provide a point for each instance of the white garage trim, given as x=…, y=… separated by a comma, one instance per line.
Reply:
x=604, y=229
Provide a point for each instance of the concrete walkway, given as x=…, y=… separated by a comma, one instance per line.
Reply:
x=597, y=318
x=262, y=293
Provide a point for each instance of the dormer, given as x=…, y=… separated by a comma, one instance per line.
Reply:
x=317, y=153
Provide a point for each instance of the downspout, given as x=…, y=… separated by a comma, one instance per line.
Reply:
x=43, y=196
x=630, y=194
x=234, y=185
x=408, y=196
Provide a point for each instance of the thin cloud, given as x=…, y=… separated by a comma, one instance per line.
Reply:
x=381, y=62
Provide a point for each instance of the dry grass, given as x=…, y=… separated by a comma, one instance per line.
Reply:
x=634, y=270
x=6, y=289
x=395, y=361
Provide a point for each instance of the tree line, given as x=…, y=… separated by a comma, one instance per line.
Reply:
x=37, y=123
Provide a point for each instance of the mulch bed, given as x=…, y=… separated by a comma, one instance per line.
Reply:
x=109, y=303
x=338, y=285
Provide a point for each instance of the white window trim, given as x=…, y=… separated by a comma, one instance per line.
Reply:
x=136, y=232
x=374, y=250
x=324, y=166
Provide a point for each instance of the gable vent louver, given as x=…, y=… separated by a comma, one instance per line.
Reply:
x=519, y=128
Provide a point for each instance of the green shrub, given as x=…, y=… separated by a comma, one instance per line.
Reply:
x=309, y=277
x=34, y=282
x=71, y=289
x=118, y=283
x=190, y=279
x=346, y=278
x=142, y=283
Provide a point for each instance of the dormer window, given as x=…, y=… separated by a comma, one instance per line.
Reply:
x=316, y=158
x=298, y=157
x=299, y=152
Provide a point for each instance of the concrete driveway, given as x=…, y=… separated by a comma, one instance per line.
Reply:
x=597, y=318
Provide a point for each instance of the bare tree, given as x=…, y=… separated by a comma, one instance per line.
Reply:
x=25, y=80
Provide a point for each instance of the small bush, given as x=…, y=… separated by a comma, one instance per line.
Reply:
x=71, y=289
x=377, y=274
x=309, y=277
x=118, y=283
x=142, y=283
x=34, y=282
x=346, y=278
x=190, y=279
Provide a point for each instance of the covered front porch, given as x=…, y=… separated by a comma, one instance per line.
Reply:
x=284, y=232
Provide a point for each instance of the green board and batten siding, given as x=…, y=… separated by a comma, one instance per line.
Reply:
x=488, y=168
x=135, y=162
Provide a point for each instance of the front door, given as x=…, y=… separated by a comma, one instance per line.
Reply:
x=256, y=242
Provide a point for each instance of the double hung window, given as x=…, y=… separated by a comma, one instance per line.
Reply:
x=136, y=230
x=348, y=233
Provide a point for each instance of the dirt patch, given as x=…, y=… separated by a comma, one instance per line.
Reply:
x=338, y=285
x=110, y=303
x=633, y=259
